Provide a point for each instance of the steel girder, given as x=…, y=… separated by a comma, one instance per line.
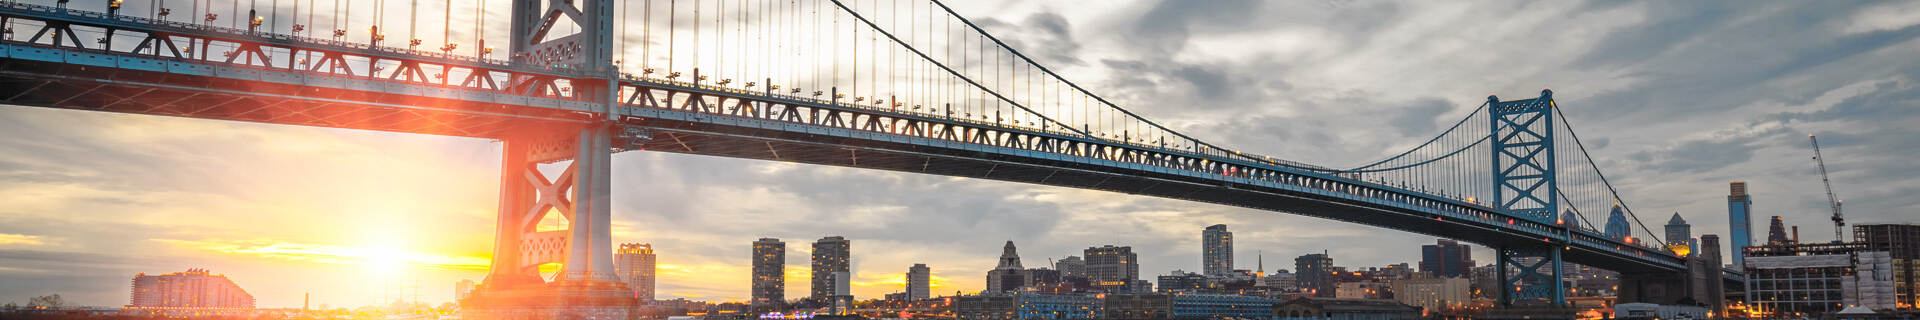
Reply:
x=1539, y=274
x=1526, y=186
x=1525, y=182
x=991, y=150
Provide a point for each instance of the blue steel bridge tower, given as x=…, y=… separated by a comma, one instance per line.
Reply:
x=1525, y=187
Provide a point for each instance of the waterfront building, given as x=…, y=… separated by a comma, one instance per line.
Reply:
x=1026, y=305
x=191, y=289
x=1186, y=306
x=1312, y=308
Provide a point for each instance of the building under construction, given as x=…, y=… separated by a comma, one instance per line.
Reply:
x=1902, y=243
x=1788, y=278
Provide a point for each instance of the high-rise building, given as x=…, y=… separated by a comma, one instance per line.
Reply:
x=1447, y=259
x=462, y=289
x=830, y=255
x=919, y=282
x=635, y=263
x=1112, y=268
x=1740, y=221
x=1901, y=242
x=1216, y=245
x=1569, y=219
x=1679, y=233
x=194, y=288
x=1777, y=232
x=1617, y=227
x=1314, y=272
x=1071, y=267
x=769, y=273
x=1009, y=275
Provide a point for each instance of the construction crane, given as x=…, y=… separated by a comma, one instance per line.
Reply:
x=1833, y=200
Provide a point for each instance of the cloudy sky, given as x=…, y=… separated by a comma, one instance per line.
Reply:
x=1674, y=101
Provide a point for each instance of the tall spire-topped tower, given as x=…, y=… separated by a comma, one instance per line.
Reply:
x=1260, y=264
x=1009, y=259
x=1009, y=276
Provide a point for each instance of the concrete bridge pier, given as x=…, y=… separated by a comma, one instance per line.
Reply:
x=585, y=287
x=1700, y=285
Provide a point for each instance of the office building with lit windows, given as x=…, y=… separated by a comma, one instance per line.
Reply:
x=1114, y=269
x=830, y=255
x=769, y=274
x=1216, y=245
x=635, y=264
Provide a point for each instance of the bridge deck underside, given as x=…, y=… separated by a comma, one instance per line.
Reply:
x=48, y=83
x=43, y=84
x=68, y=86
x=756, y=143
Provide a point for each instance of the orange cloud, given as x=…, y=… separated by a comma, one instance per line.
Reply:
x=273, y=249
x=19, y=239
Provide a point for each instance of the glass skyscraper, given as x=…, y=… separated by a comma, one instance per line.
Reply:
x=1740, y=220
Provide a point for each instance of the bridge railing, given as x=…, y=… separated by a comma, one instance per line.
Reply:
x=161, y=24
x=1353, y=185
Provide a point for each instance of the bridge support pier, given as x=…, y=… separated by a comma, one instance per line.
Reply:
x=1701, y=284
x=586, y=286
x=1539, y=275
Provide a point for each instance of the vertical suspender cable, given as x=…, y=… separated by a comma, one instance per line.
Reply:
x=413, y=23
x=646, y=31
x=696, y=41
x=673, y=14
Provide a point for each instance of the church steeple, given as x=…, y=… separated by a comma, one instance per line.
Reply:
x=1009, y=259
x=1260, y=268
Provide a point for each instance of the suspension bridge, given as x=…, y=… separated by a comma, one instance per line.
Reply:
x=904, y=86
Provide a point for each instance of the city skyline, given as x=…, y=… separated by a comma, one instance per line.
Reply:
x=360, y=210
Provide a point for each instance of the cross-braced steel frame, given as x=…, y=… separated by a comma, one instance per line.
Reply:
x=1525, y=186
